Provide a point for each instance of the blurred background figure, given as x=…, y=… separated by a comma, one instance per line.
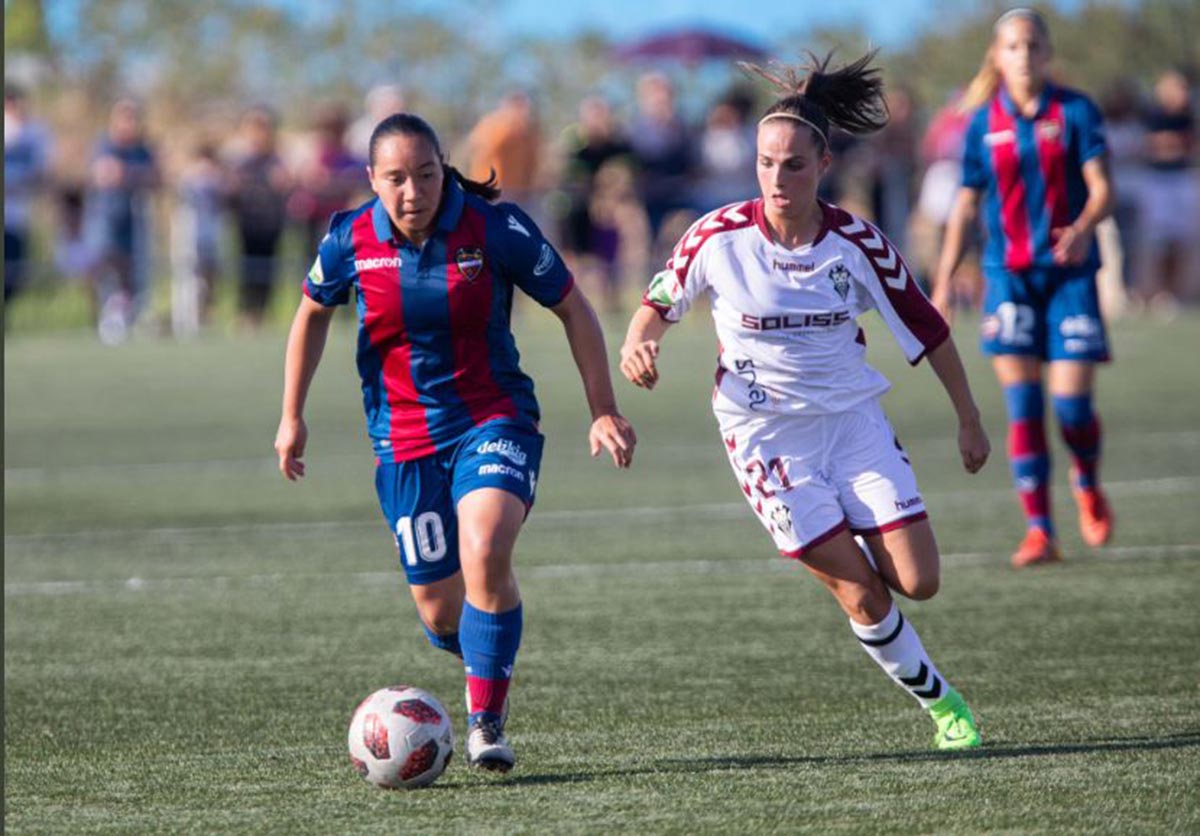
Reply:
x=26, y=160
x=381, y=102
x=329, y=179
x=941, y=154
x=663, y=148
x=726, y=153
x=893, y=167
x=196, y=240
x=590, y=215
x=123, y=178
x=259, y=187
x=74, y=259
x=1168, y=267
x=1126, y=135
x=508, y=141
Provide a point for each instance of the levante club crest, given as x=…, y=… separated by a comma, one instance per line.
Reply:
x=840, y=277
x=469, y=261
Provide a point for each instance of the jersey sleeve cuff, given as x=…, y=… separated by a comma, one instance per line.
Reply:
x=939, y=338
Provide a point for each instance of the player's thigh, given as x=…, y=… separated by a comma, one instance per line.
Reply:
x=778, y=464
x=1075, y=328
x=1013, y=321
x=908, y=559
x=871, y=470
x=415, y=498
x=842, y=567
x=494, y=484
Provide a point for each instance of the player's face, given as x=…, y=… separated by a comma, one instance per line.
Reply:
x=407, y=176
x=791, y=161
x=1022, y=55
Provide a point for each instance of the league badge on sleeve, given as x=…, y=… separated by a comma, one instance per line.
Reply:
x=469, y=261
x=317, y=274
x=665, y=289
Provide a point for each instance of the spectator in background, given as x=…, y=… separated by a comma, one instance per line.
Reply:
x=123, y=177
x=259, y=186
x=727, y=153
x=1168, y=266
x=196, y=240
x=894, y=167
x=26, y=159
x=330, y=179
x=662, y=146
x=508, y=141
x=73, y=256
x=590, y=226
x=941, y=153
x=381, y=102
x=1126, y=136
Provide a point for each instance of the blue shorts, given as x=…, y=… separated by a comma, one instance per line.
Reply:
x=1049, y=313
x=420, y=498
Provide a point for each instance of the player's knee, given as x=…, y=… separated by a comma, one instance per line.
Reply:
x=922, y=587
x=866, y=603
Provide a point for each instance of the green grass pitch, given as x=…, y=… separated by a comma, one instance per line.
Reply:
x=186, y=634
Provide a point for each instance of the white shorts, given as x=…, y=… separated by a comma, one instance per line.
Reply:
x=811, y=477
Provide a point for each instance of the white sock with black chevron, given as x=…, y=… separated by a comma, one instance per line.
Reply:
x=896, y=647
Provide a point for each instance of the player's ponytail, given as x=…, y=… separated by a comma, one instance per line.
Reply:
x=409, y=124
x=488, y=189
x=987, y=81
x=850, y=97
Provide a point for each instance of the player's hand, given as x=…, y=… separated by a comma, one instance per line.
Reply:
x=614, y=434
x=289, y=444
x=940, y=299
x=974, y=446
x=1070, y=246
x=637, y=363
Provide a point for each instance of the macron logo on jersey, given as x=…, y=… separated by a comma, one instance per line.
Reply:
x=361, y=264
x=517, y=226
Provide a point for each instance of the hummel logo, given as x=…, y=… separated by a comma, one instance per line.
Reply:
x=516, y=225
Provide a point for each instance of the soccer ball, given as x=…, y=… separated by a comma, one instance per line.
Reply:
x=401, y=738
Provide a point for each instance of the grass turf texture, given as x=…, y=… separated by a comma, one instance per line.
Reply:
x=186, y=634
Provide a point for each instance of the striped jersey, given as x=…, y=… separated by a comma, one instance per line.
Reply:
x=1030, y=171
x=786, y=319
x=435, y=349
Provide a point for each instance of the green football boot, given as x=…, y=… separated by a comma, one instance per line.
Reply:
x=956, y=728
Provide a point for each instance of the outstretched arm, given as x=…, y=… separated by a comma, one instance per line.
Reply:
x=640, y=350
x=962, y=216
x=973, y=442
x=609, y=428
x=306, y=342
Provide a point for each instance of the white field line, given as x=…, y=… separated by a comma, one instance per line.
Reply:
x=33, y=474
x=661, y=568
x=720, y=510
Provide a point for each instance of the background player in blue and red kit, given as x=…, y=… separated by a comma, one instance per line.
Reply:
x=1035, y=159
x=452, y=417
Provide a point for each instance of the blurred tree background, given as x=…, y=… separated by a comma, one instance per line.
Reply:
x=197, y=65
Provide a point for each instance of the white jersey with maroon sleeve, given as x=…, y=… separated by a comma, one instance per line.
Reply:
x=787, y=318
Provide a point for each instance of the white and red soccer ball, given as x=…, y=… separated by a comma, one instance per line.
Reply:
x=401, y=738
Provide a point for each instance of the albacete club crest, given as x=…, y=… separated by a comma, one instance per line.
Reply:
x=840, y=277
x=469, y=261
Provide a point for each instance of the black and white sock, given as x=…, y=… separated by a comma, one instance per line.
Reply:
x=896, y=647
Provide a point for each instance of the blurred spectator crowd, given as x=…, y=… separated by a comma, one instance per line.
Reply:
x=613, y=191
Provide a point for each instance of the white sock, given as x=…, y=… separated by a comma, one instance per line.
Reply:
x=895, y=647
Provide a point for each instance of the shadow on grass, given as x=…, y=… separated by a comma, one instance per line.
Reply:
x=1183, y=740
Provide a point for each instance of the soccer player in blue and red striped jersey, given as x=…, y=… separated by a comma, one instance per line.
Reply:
x=434, y=264
x=1035, y=160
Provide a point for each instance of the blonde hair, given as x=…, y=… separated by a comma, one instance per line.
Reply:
x=987, y=81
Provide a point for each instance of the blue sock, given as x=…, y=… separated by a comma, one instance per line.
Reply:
x=489, y=646
x=1028, y=453
x=447, y=642
x=1081, y=431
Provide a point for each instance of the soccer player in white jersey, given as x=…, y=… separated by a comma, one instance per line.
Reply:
x=798, y=407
